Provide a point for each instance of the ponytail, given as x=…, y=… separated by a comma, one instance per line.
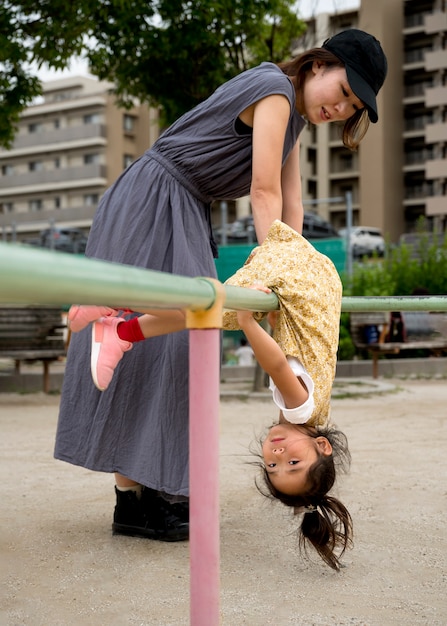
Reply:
x=328, y=528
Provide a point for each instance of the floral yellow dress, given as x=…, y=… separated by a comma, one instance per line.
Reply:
x=309, y=292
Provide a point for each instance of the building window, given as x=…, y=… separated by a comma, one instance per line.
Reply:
x=56, y=123
x=7, y=170
x=127, y=160
x=6, y=207
x=128, y=122
x=35, y=128
x=89, y=159
x=92, y=118
x=35, y=205
x=57, y=202
x=35, y=166
x=91, y=199
x=347, y=162
x=57, y=163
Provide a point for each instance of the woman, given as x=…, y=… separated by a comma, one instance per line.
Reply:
x=242, y=139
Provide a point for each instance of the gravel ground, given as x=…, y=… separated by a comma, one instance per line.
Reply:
x=61, y=566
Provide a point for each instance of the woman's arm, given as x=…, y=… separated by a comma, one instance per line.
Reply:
x=292, y=212
x=272, y=360
x=269, y=118
x=275, y=190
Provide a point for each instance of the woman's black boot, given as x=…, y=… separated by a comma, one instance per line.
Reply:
x=150, y=517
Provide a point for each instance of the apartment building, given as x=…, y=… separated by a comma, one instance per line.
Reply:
x=70, y=146
x=74, y=144
x=425, y=111
x=399, y=172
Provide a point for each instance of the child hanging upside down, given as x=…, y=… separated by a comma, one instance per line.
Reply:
x=301, y=451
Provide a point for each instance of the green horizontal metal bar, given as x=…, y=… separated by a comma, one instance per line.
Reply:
x=42, y=277
x=394, y=303
x=31, y=276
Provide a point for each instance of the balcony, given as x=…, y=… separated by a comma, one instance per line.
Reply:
x=435, y=23
x=415, y=93
x=415, y=126
x=33, y=222
x=436, y=96
x=414, y=59
x=419, y=191
x=415, y=160
x=414, y=22
x=436, y=205
x=436, y=169
x=54, y=179
x=435, y=60
x=58, y=139
x=436, y=132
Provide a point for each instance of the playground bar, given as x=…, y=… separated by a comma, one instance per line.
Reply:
x=394, y=303
x=204, y=544
x=31, y=276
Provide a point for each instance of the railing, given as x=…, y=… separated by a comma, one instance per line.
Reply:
x=30, y=276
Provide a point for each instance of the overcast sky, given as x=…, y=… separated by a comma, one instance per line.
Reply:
x=307, y=8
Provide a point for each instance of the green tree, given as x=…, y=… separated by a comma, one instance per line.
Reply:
x=170, y=53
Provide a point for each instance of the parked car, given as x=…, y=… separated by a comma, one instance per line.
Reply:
x=314, y=227
x=365, y=241
x=71, y=240
x=243, y=230
x=240, y=231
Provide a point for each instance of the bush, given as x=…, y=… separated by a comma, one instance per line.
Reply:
x=346, y=347
x=405, y=270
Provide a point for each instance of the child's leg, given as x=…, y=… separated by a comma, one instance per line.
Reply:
x=112, y=337
x=156, y=322
x=153, y=324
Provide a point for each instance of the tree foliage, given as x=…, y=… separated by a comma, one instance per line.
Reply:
x=170, y=53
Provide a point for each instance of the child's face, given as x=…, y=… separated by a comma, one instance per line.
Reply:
x=288, y=453
x=328, y=96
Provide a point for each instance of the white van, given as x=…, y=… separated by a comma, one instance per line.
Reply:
x=365, y=240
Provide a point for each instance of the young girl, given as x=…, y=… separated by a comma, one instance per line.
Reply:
x=300, y=451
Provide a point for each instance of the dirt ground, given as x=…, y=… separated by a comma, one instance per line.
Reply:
x=61, y=566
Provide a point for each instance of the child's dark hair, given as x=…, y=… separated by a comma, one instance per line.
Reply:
x=326, y=523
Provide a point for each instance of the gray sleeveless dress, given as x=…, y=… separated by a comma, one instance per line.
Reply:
x=156, y=215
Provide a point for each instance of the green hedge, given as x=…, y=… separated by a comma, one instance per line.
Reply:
x=420, y=268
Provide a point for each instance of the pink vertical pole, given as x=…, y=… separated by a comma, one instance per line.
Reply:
x=204, y=373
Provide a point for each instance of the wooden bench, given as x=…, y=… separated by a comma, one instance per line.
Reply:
x=32, y=333
x=421, y=331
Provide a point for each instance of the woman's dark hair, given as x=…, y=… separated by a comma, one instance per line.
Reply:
x=354, y=128
x=326, y=524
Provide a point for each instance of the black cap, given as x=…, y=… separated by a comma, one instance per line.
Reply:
x=365, y=63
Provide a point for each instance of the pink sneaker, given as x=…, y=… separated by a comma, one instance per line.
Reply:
x=107, y=350
x=81, y=315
